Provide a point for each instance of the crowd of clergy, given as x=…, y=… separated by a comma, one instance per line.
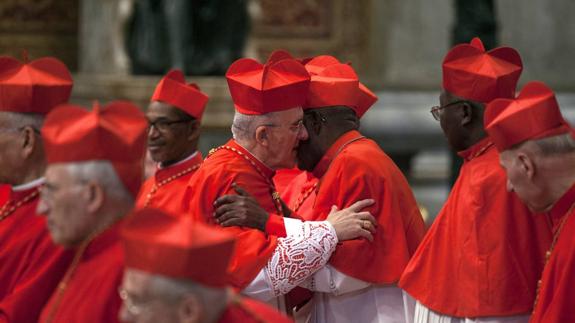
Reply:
x=298, y=217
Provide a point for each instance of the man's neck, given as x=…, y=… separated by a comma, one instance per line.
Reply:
x=179, y=161
x=31, y=174
x=257, y=151
x=216, y=310
x=559, y=177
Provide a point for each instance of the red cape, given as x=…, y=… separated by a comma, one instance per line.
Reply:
x=214, y=179
x=31, y=265
x=91, y=295
x=355, y=168
x=169, y=197
x=556, y=301
x=484, y=252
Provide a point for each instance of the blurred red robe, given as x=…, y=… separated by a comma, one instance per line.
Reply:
x=248, y=310
x=31, y=265
x=556, y=301
x=91, y=293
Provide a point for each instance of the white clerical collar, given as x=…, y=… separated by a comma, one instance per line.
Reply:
x=180, y=162
x=29, y=185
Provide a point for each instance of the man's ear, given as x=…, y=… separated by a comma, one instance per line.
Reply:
x=95, y=197
x=316, y=121
x=190, y=309
x=29, y=141
x=466, y=113
x=193, y=130
x=526, y=165
x=262, y=135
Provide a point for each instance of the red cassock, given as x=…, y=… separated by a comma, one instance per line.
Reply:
x=355, y=168
x=484, y=252
x=31, y=265
x=233, y=164
x=299, y=194
x=245, y=310
x=556, y=301
x=165, y=190
x=91, y=292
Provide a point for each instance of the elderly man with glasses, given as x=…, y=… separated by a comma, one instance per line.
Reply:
x=482, y=257
x=174, y=116
x=31, y=265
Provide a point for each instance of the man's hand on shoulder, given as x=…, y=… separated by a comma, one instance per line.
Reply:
x=240, y=210
x=351, y=223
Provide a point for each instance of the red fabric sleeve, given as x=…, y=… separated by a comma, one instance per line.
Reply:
x=276, y=226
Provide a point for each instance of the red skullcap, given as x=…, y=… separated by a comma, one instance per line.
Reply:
x=177, y=247
x=281, y=84
x=474, y=74
x=534, y=114
x=34, y=87
x=334, y=84
x=173, y=90
x=115, y=133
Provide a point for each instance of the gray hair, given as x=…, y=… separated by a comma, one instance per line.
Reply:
x=556, y=145
x=102, y=172
x=18, y=120
x=171, y=289
x=244, y=125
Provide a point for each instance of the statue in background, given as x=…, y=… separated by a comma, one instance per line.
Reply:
x=200, y=37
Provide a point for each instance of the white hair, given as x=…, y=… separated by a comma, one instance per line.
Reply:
x=103, y=173
x=244, y=125
x=556, y=145
x=18, y=120
x=174, y=289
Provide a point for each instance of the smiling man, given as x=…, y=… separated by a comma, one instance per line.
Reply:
x=538, y=154
x=95, y=167
x=174, y=117
x=481, y=258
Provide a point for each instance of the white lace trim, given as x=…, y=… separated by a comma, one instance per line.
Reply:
x=299, y=256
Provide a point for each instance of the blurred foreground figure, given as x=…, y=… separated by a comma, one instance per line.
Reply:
x=31, y=265
x=95, y=168
x=482, y=257
x=176, y=273
x=537, y=151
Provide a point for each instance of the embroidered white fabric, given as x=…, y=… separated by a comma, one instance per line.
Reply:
x=299, y=255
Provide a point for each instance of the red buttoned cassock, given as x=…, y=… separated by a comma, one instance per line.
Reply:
x=535, y=114
x=256, y=89
x=166, y=188
x=31, y=265
x=88, y=292
x=484, y=252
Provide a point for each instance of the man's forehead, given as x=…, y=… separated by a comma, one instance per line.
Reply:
x=136, y=281
x=158, y=109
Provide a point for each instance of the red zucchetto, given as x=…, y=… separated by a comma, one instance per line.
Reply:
x=534, y=114
x=281, y=84
x=177, y=247
x=336, y=84
x=33, y=87
x=116, y=133
x=173, y=90
x=472, y=73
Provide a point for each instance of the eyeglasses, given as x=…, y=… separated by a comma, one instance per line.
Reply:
x=435, y=109
x=163, y=125
x=295, y=127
